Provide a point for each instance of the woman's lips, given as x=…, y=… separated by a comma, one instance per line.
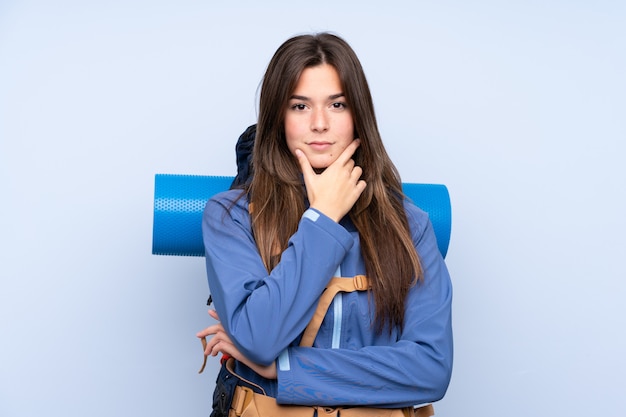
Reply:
x=320, y=146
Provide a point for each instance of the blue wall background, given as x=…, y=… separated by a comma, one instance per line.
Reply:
x=518, y=107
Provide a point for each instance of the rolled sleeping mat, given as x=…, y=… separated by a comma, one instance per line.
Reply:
x=179, y=202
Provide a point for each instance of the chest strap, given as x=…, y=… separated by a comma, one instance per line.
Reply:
x=335, y=285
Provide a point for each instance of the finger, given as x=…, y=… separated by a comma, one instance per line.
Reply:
x=218, y=338
x=308, y=174
x=348, y=152
x=214, y=315
x=207, y=332
x=224, y=347
x=349, y=164
x=210, y=330
x=360, y=186
x=305, y=165
x=356, y=173
x=219, y=343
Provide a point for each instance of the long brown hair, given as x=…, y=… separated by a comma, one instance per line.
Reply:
x=278, y=195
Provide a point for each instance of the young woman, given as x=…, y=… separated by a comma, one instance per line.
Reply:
x=325, y=201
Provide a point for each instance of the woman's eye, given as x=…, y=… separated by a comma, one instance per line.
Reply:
x=339, y=105
x=298, y=107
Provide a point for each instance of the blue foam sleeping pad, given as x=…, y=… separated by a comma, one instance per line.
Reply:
x=179, y=202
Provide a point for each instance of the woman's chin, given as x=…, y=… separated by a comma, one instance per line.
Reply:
x=319, y=167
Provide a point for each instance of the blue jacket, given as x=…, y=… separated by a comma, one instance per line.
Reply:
x=349, y=363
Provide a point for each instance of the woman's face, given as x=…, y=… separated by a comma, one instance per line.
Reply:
x=318, y=120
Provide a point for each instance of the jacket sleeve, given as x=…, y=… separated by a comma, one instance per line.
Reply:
x=414, y=368
x=264, y=312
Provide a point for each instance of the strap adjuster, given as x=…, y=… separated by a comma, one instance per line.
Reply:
x=360, y=282
x=241, y=398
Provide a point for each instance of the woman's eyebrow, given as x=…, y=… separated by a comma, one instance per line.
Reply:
x=305, y=98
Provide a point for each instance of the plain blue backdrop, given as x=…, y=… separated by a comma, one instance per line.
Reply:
x=518, y=107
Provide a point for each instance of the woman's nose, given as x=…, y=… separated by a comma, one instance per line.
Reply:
x=319, y=121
